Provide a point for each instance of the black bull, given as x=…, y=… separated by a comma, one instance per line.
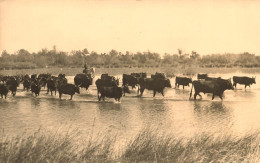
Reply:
x=109, y=88
x=130, y=80
x=217, y=87
x=36, y=88
x=157, y=85
x=3, y=90
x=12, y=85
x=100, y=83
x=243, y=80
x=82, y=81
x=111, y=92
x=69, y=89
x=184, y=81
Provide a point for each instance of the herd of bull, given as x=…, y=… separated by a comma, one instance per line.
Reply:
x=108, y=86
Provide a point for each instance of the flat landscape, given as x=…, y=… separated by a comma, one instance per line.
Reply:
x=136, y=129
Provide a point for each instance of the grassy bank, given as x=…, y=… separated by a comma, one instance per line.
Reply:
x=147, y=146
x=170, y=71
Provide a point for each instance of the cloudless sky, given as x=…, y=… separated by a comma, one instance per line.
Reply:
x=216, y=26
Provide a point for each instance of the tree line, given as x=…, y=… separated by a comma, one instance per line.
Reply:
x=23, y=59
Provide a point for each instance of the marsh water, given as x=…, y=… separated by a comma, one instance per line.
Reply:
x=174, y=114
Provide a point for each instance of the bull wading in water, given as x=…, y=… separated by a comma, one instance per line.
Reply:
x=184, y=81
x=12, y=85
x=36, y=88
x=157, y=85
x=216, y=87
x=243, y=80
x=69, y=89
x=3, y=90
x=130, y=80
x=82, y=81
x=111, y=92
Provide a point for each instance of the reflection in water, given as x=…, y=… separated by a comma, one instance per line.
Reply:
x=238, y=113
x=212, y=107
x=213, y=116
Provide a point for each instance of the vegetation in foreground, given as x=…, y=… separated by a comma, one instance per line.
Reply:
x=147, y=146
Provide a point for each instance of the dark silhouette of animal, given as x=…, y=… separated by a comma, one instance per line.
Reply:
x=69, y=89
x=139, y=75
x=43, y=78
x=126, y=89
x=202, y=76
x=1, y=78
x=111, y=92
x=5, y=78
x=18, y=79
x=42, y=81
x=107, y=77
x=100, y=83
x=61, y=80
x=157, y=85
x=104, y=76
x=46, y=76
x=130, y=80
x=12, y=85
x=26, y=84
x=26, y=76
x=35, y=88
x=82, y=81
x=216, y=87
x=158, y=75
x=212, y=78
x=34, y=77
x=52, y=85
x=61, y=76
x=3, y=90
x=184, y=81
x=243, y=80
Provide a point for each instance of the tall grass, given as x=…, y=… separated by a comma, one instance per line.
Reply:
x=147, y=146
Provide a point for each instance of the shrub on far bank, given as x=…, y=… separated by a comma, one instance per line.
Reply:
x=23, y=59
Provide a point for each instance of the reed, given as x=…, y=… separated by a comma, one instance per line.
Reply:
x=147, y=146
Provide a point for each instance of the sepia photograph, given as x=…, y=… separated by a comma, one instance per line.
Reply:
x=151, y=81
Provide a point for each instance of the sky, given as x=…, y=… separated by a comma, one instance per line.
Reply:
x=214, y=26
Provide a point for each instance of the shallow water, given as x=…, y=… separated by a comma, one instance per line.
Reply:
x=174, y=114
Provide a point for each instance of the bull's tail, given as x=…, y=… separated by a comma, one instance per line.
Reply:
x=191, y=91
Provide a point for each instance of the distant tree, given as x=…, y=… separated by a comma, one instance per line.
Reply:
x=23, y=56
x=194, y=55
x=113, y=53
x=85, y=51
x=167, y=59
x=5, y=54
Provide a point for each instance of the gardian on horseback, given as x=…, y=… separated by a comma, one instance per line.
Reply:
x=86, y=78
x=89, y=71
